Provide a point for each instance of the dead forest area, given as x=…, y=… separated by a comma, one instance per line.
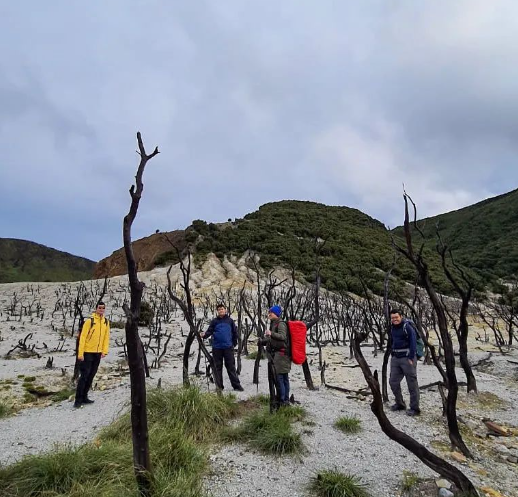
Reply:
x=466, y=440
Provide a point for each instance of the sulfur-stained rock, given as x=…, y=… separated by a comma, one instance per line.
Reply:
x=457, y=456
x=496, y=429
x=491, y=492
x=442, y=483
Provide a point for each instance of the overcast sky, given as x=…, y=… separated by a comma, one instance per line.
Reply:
x=249, y=102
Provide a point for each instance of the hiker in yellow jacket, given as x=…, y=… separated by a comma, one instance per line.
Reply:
x=94, y=342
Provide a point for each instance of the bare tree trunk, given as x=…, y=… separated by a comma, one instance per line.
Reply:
x=139, y=427
x=307, y=375
x=386, y=311
x=186, y=352
x=434, y=462
x=189, y=313
x=463, y=328
x=422, y=269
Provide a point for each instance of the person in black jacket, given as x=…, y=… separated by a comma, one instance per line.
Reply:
x=223, y=331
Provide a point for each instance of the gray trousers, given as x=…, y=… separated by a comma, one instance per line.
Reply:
x=399, y=368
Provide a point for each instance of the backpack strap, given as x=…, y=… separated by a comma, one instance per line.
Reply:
x=288, y=339
x=90, y=329
x=405, y=330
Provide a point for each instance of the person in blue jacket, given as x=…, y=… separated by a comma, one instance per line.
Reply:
x=223, y=331
x=403, y=363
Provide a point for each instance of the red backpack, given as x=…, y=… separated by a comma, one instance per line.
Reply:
x=297, y=331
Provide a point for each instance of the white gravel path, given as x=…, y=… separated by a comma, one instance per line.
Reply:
x=36, y=430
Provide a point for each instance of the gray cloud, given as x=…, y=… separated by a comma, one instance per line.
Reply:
x=249, y=103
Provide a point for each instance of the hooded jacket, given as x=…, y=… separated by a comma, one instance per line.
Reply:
x=278, y=344
x=95, y=336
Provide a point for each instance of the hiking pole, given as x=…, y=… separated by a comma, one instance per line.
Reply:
x=206, y=375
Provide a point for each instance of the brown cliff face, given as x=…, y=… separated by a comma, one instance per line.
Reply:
x=146, y=251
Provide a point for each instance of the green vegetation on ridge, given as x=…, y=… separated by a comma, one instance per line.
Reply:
x=285, y=232
x=483, y=236
x=21, y=260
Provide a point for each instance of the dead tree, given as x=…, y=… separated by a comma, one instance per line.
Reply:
x=139, y=426
x=503, y=311
x=189, y=312
x=462, y=328
x=261, y=327
x=418, y=261
x=434, y=462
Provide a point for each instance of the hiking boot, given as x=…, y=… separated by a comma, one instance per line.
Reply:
x=239, y=388
x=413, y=412
x=88, y=401
x=398, y=407
x=78, y=405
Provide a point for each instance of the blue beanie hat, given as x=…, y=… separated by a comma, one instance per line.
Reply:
x=276, y=309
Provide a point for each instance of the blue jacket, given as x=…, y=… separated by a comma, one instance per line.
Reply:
x=402, y=339
x=224, y=332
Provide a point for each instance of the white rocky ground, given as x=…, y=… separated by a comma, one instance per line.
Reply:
x=237, y=471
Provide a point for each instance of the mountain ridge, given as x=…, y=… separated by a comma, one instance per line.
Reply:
x=483, y=237
x=24, y=260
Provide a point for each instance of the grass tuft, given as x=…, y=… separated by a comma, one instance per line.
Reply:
x=348, y=425
x=334, y=484
x=5, y=410
x=181, y=424
x=270, y=433
x=410, y=480
x=63, y=394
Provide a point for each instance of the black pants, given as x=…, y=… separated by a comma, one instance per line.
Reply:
x=88, y=367
x=226, y=355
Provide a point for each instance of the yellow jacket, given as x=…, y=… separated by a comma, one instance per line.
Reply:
x=95, y=336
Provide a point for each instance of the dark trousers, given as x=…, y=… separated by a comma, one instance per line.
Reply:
x=87, y=368
x=226, y=355
x=400, y=368
x=284, y=387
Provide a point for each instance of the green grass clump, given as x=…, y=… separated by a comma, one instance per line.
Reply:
x=5, y=410
x=198, y=414
x=334, y=484
x=63, y=394
x=270, y=433
x=261, y=399
x=28, y=398
x=410, y=480
x=59, y=472
x=348, y=425
x=181, y=424
x=29, y=379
